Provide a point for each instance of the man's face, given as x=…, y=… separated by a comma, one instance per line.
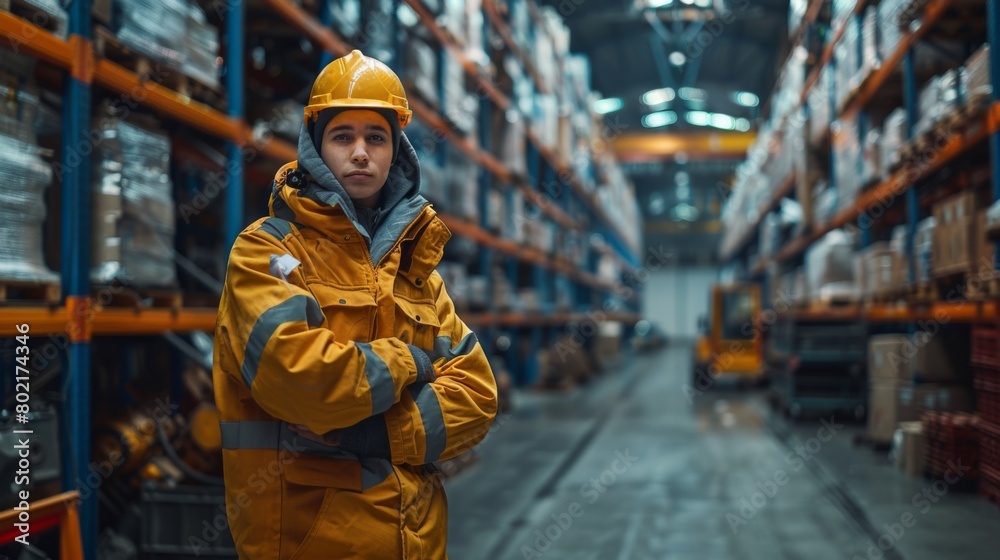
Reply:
x=357, y=147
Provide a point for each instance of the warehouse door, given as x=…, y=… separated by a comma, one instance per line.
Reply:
x=676, y=297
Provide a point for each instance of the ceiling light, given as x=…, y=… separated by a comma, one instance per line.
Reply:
x=698, y=118
x=742, y=125
x=658, y=96
x=703, y=3
x=692, y=94
x=658, y=3
x=688, y=2
x=723, y=122
x=658, y=119
x=746, y=99
x=608, y=105
x=677, y=58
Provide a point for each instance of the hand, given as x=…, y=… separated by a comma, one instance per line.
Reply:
x=330, y=438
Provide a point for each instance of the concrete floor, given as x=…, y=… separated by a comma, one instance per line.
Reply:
x=630, y=468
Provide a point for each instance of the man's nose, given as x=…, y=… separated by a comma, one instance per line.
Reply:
x=360, y=153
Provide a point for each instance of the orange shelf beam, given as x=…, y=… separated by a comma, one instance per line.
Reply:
x=123, y=321
x=958, y=312
x=22, y=34
x=169, y=102
x=278, y=149
x=875, y=81
x=42, y=321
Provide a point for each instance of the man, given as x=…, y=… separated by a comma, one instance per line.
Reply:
x=341, y=368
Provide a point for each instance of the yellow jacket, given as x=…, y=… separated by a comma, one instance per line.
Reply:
x=348, y=327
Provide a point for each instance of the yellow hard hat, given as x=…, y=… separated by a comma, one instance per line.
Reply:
x=360, y=82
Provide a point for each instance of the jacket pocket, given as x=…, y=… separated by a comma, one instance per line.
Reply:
x=309, y=486
x=417, y=322
x=349, y=313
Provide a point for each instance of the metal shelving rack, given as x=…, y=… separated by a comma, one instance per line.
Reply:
x=81, y=321
x=903, y=183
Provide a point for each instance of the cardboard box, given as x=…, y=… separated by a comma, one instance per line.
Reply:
x=911, y=455
x=985, y=246
x=935, y=359
x=886, y=357
x=883, y=410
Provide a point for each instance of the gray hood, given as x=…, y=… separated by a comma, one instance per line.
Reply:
x=401, y=201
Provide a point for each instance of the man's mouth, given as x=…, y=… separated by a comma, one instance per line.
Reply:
x=359, y=174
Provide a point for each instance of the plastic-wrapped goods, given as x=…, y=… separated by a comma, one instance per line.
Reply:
x=463, y=185
x=847, y=65
x=25, y=177
x=576, y=71
x=345, y=16
x=497, y=210
x=977, y=74
x=154, y=28
x=819, y=106
x=57, y=18
x=375, y=35
x=770, y=234
x=19, y=112
x=870, y=55
x=928, y=106
x=893, y=138
x=847, y=164
x=546, y=119
x=824, y=202
x=420, y=70
x=796, y=13
x=829, y=268
x=923, y=249
x=510, y=141
x=876, y=268
x=516, y=217
x=890, y=32
x=460, y=107
x=133, y=223
x=871, y=158
x=842, y=10
x=457, y=280
x=201, y=48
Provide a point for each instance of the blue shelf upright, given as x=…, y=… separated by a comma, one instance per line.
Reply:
x=75, y=261
x=235, y=27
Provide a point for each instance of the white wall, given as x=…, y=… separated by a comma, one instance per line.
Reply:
x=674, y=298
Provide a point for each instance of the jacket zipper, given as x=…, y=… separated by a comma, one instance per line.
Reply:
x=368, y=256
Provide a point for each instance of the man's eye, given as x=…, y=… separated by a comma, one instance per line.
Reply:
x=340, y=137
x=377, y=138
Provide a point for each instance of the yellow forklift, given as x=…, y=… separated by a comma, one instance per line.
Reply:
x=730, y=347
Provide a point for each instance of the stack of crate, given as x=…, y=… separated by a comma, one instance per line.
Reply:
x=952, y=439
x=986, y=376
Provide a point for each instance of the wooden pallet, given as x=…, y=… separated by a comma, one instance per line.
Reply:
x=36, y=16
x=117, y=295
x=18, y=291
x=108, y=46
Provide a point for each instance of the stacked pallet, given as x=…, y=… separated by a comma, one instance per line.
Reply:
x=986, y=376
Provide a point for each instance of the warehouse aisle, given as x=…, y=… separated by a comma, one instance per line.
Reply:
x=629, y=468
